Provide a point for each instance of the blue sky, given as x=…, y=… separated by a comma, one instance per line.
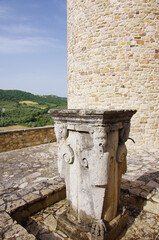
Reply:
x=33, y=46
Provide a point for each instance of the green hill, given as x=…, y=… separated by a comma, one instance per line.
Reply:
x=24, y=108
x=17, y=95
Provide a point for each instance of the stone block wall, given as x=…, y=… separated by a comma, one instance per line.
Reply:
x=15, y=139
x=113, y=61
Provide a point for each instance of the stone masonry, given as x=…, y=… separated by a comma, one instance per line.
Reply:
x=28, y=137
x=113, y=61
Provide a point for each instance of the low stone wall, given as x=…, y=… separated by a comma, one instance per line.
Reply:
x=15, y=139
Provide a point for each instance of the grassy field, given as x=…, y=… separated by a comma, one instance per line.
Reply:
x=28, y=102
x=25, y=109
x=14, y=127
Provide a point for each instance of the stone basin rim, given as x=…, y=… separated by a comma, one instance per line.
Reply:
x=82, y=112
x=91, y=114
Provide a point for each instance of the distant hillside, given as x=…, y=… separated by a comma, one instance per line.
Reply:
x=23, y=108
x=17, y=95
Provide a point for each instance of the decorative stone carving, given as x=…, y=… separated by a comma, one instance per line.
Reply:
x=98, y=229
x=92, y=159
x=84, y=162
x=100, y=138
x=121, y=153
x=67, y=154
x=124, y=132
x=60, y=132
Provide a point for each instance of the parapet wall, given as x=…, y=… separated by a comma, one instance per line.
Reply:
x=15, y=139
x=113, y=61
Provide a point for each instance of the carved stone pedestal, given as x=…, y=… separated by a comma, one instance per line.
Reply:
x=92, y=159
x=79, y=231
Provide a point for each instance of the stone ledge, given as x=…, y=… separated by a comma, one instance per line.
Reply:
x=21, y=210
x=17, y=139
x=144, y=196
x=25, y=130
x=9, y=229
x=91, y=116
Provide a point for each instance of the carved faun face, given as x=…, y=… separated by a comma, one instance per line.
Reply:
x=61, y=132
x=100, y=139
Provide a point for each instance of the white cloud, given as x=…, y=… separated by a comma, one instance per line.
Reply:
x=9, y=13
x=20, y=29
x=5, y=12
x=28, y=45
x=18, y=37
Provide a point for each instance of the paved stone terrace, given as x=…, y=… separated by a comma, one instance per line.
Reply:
x=142, y=176
x=26, y=175
x=30, y=174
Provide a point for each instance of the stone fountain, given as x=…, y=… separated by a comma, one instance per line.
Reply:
x=91, y=159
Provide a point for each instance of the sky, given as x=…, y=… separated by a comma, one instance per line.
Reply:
x=33, y=46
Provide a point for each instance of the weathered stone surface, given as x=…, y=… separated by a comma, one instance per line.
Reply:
x=153, y=184
x=113, y=60
x=97, y=117
x=29, y=198
x=141, y=224
x=28, y=137
x=12, y=162
x=92, y=159
x=152, y=207
x=12, y=230
x=155, y=198
x=18, y=188
x=10, y=206
x=43, y=224
x=142, y=179
x=51, y=222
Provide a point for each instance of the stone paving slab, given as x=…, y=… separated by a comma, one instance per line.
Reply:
x=142, y=178
x=141, y=225
x=9, y=229
x=29, y=174
x=26, y=175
